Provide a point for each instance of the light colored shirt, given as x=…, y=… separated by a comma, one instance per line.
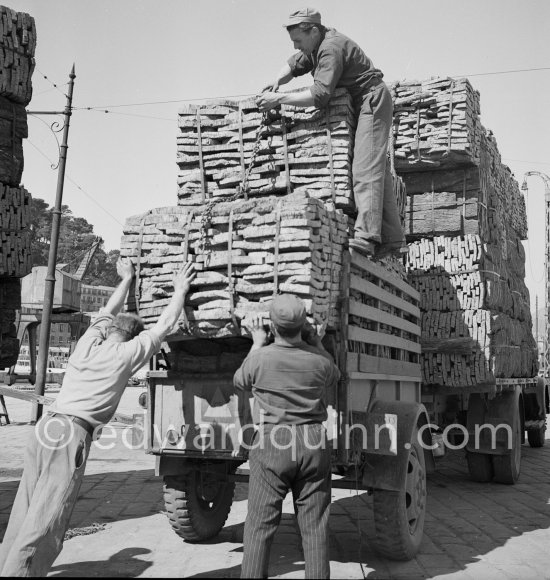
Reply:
x=288, y=382
x=97, y=372
x=338, y=62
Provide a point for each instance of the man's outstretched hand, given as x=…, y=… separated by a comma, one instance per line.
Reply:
x=268, y=100
x=313, y=333
x=183, y=279
x=270, y=87
x=255, y=324
x=125, y=268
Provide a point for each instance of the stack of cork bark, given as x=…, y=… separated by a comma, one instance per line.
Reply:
x=464, y=222
x=17, y=45
x=307, y=149
x=244, y=254
x=436, y=124
x=285, y=233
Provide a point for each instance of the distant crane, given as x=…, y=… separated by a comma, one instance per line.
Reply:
x=65, y=307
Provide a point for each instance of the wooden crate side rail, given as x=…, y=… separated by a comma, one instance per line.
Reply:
x=373, y=291
x=365, y=363
x=379, y=377
x=380, y=272
x=380, y=338
x=370, y=313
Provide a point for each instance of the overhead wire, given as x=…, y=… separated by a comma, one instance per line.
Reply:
x=54, y=85
x=171, y=101
x=76, y=184
x=502, y=72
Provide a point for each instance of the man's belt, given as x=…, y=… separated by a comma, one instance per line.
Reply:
x=76, y=420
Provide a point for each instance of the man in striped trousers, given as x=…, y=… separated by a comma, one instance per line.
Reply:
x=288, y=379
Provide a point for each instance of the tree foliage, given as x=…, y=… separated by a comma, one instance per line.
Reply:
x=76, y=236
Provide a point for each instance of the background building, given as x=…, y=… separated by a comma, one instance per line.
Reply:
x=92, y=298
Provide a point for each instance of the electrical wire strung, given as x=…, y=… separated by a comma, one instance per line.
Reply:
x=166, y=102
x=76, y=184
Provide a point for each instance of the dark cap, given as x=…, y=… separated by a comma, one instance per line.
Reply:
x=309, y=15
x=287, y=311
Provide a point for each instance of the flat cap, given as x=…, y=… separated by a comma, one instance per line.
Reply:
x=287, y=311
x=309, y=15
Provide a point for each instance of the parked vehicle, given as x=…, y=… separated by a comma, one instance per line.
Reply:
x=200, y=428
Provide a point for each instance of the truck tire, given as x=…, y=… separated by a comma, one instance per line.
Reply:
x=197, y=504
x=399, y=515
x=480, y=466
x=507, y=467
x=536, y=436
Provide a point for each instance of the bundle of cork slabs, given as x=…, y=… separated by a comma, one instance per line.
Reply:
x=464, y=220
x=289, y=233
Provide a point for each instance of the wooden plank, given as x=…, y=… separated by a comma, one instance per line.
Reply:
x=371, y=313
x=352, y=362
x=380, y=272
x=28, y=396
x=387, y=366
x=373, y=291
x=370, y=337
x=379, y=377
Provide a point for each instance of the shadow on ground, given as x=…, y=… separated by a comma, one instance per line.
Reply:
x=465, y=521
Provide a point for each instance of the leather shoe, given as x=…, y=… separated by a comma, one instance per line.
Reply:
x=363, y=246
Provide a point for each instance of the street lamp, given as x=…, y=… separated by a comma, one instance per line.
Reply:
x=546, y=342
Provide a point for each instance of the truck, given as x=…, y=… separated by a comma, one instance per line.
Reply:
x=200, y=428
x=387, y=423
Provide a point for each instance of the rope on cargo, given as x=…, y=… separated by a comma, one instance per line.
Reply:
x=450, y=125
x=285, y=149
x=231, y=285
x=276, y=250
x=418, y=153
x=201, y=157
x=138, y=260
x=330, y=158
x=242, y=189
x=190, y=217
x=241, y=145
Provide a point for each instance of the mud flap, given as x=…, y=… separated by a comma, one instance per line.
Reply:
x=384, y=468
x=491, y=422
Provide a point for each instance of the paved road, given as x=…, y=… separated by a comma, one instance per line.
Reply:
x=473, y=531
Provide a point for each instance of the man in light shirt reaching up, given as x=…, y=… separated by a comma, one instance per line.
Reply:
x=106, y=356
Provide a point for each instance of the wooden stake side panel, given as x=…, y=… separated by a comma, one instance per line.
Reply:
x=383, y=322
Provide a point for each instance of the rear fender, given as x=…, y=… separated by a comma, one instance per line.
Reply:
x=172, y=465
x=166, y=465
x=385, y=471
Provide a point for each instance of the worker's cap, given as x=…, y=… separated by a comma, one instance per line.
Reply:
x=309, y=15
x=287, y=311
x=129, y=325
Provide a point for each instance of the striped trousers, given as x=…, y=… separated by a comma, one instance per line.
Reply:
x=283, y=458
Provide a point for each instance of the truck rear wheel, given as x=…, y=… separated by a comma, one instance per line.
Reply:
x=536, y=436
x=197, y=504
x=480, y=466
x=507, y=467
x=399, y=515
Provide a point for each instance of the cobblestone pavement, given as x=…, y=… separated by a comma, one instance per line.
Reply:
x=473, y=531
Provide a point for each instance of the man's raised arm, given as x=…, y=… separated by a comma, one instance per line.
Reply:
x=182, y=282
x=125, y=270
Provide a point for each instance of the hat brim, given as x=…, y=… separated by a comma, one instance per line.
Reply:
x=304, y=20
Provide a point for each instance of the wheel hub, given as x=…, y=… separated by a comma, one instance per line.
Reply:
x=208, y=488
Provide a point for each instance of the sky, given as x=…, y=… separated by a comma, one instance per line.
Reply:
x=169, y=52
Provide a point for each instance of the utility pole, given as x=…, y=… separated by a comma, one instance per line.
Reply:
x=49, y=288
x=546, y=341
